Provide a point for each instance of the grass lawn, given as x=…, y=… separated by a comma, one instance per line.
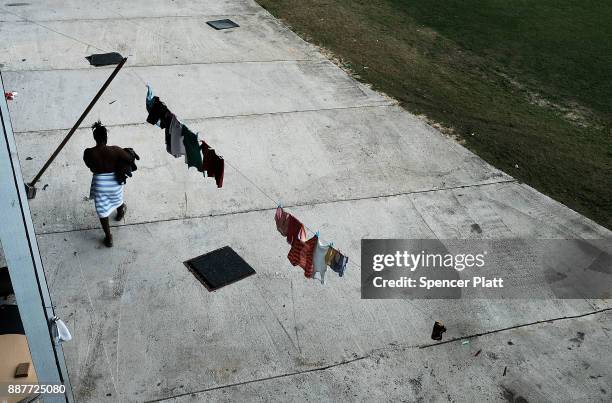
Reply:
x=521, y=83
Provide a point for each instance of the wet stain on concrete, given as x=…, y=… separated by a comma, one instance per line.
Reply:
x=417, y=384
x=553, y=276
x=578, y=339
x=476, y=228
x=512, y=396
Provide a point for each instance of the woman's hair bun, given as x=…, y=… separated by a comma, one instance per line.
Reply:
x=97, y=125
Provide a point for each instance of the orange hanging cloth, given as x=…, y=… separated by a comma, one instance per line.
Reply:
x=301, y=254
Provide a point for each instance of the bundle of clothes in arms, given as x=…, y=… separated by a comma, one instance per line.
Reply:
x=310, y=255
x=180, y=141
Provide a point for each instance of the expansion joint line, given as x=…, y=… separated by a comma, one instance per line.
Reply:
x=260, y=379
x=516, y=327
x=262, y=209
x=142, y=65
x=205, y=118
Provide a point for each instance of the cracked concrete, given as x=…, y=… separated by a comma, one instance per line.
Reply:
x=293, y=128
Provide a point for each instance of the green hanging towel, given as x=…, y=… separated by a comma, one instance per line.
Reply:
x=193, y=156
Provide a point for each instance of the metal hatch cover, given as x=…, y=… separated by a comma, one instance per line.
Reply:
x=222, y=24
x=219, y=268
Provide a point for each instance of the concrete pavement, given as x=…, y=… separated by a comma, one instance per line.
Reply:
x=293, y=128
x=496, y=367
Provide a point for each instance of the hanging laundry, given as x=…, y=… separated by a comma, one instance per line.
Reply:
x=149, y=100
x=338, y=262
x=164, y=122
x=329, y=256
x=318, y=261
x=160, y=115
x=282, y=221
x=182, y=141
x=311, y=255
x=301, y=254
x=193, y=156
x=295, y=230
x=219, y=171
x=213, y=165
x=174, y=138
x=157, y=112
x=167, y=138
x=207, y=159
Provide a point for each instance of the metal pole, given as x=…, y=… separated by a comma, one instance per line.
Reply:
x=78, y=123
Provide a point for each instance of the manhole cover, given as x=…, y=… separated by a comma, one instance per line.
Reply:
x=104, y=59
x=219, y=268
x=222, y=24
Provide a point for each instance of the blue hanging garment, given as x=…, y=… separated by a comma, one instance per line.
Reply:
x=149, y=101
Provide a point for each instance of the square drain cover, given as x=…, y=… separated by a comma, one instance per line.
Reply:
x=104, y=59
x=222, y=24
x=219, y=268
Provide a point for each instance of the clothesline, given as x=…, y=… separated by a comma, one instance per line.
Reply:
x=276, y=203
x=310, y=254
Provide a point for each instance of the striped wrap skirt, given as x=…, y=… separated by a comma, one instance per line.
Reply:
x=106, y=192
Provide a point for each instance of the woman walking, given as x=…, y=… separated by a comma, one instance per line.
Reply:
x=105, y=162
